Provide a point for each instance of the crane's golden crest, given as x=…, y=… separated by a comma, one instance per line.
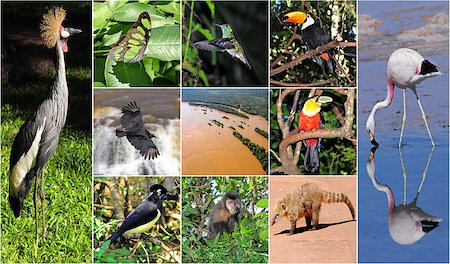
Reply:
x=50, y=26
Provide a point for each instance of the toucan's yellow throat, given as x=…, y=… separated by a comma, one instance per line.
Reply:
x=295, y=17
x=311, y=107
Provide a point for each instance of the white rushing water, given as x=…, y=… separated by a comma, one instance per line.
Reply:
x=116, y=156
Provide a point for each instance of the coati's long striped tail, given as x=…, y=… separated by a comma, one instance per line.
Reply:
x=329, y=197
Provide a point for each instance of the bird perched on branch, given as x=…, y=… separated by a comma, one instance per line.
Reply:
x=310, y=118
x=406, y=68
x=38, y=137
x=135, y=131
x=145, y=215
x=313, y=36
x=227, y=42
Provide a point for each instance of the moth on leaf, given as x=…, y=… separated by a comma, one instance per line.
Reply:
x=131, y=47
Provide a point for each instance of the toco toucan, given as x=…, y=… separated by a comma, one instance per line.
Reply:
x=313, y=36
x=144, y=216
x=310, y=118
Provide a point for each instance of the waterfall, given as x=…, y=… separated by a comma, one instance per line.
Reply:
x=116, y=156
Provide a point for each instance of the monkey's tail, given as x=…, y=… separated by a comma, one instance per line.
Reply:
x=330, y=197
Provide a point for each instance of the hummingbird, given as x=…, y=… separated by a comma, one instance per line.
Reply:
x=227, y=42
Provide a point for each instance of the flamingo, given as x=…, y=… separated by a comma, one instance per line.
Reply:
x=407, y=223
x=406, y=68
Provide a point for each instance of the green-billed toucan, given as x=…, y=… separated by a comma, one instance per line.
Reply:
x=310, y=118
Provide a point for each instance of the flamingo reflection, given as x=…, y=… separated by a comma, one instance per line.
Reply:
x=407, y=222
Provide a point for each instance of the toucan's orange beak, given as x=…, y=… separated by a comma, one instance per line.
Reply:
x=295, y=17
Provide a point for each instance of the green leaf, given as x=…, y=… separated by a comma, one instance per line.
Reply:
x=206, y=33
x=122, y=251
x=112, y=39
x=203, y=77
x=263, y=203
x=99, y=84
x=264, y=234
x=102, y=14
x=110, y=77
x=112, y=4
x=151, y=68
x=211, y=7
x=130, y=13
x=171, y=8
x=164, y=44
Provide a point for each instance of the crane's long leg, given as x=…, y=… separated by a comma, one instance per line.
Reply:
x=44, y=231
x=404, y=118
x=36, y=206
x=424, y=117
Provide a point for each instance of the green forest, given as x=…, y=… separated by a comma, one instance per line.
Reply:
x=249, y=241
x=222, y=108
x=258, y=151
x=262, y=132
x=252, y=101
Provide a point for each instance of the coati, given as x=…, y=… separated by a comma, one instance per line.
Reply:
x=225, y=214
x=306, y=202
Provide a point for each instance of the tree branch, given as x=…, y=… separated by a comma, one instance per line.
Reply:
x=281, y=83
x=286, y=157
x=332, y=44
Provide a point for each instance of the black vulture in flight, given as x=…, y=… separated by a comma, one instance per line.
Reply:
x=135, y=131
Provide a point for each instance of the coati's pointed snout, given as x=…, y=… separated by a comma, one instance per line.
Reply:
x=275, y=219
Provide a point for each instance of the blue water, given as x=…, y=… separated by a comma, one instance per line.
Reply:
x=399, y=15
x=375, y=242
x=374, y=239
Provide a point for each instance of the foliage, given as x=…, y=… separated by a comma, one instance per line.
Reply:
x=203, y=68
x=337, y=155
x=160, y=66
x=262, y=132
x=67, y=177
x=222, y=108
x=308, y=71
x=251, y=101
x=258, y=151
x=122, y=195
x=248, y=243
x=217, y=123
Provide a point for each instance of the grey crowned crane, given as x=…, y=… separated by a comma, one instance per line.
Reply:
x=38, y=137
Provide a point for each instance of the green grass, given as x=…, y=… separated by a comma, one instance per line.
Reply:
x=68, y=196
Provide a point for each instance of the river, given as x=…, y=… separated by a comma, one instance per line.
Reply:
x=213, y=150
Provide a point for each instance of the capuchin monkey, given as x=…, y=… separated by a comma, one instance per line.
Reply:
x=225, y=214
